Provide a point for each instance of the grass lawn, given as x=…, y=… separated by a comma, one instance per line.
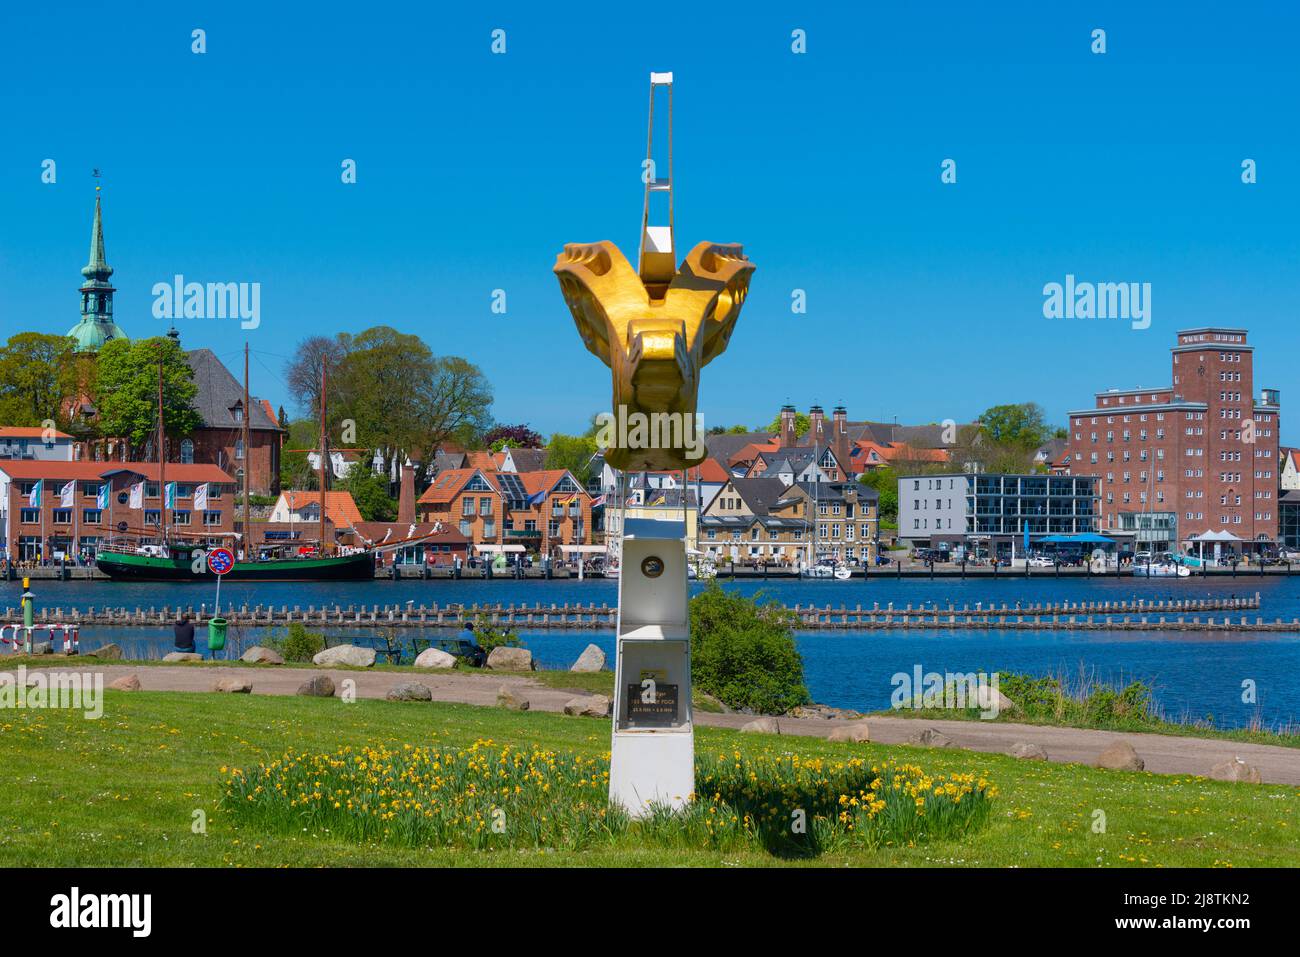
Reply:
x=123, y=791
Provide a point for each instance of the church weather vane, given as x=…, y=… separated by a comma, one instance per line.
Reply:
x=98, y=176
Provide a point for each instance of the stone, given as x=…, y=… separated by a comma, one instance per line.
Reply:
x=591, y=659
x=825, y=712
x=182, y=656
x=352, y=655
x=409, y=691
x=1028, y=752
x=108, y=652
x=508, y=698
x=1235, y=769
x=505, y=658
x=319, y=686
x=42, y=648
x=761, y=726
x=990, y=699
x=233, y=686
x=1120, y=756
x=125, y=683
x=435, y=658
x=857, y=732
x=588, y=706
x=930, y=738
x=257, y=655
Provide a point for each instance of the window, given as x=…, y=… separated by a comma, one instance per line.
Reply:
x=187, y=452
x=464, y=528
x=181, y=516
x=30, y=516
x=466, y=506
x=239, y=449
x=91, y=516
x=212, y=517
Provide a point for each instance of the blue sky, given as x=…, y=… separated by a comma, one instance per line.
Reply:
x=924, y=299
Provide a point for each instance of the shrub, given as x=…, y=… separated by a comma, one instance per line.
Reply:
x=297, y=643
x=743, y=652
x=489, y=636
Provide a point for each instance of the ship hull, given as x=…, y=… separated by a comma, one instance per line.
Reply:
x=122, y=567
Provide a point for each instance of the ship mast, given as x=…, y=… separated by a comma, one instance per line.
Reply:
x=323, y=451
x=162, y=457
x=248, y=529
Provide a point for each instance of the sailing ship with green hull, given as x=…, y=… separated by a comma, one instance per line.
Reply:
x=189, y=563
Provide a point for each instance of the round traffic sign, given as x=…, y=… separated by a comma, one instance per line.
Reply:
x=221, y=560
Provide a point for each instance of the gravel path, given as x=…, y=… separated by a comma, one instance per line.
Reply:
x=1163, y=754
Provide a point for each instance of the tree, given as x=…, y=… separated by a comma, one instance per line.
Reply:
x=1023, y=425
x=127, y=396
x=801, y=425
x=283, y=420
x=885, y=482
x=728, y=430
x=743, y=651
x=513, y=437
x=370, y=492
x=303, y=372
x=35, y=378
x=572, y=452
x=397, y=395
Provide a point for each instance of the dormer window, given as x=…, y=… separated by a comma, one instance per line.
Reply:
x=237, y=412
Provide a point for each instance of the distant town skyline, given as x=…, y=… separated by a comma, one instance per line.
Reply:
x=925, y=300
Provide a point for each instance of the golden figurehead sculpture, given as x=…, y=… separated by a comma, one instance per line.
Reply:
x=655, y=327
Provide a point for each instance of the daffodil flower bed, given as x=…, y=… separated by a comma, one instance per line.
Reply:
x=493, y=795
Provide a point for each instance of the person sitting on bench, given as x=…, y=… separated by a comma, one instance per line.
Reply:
x=183, y=633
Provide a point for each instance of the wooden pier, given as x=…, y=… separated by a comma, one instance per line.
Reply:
x=1138, y=614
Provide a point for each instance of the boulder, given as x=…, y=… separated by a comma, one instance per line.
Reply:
x=182, y=656
x=320, y=686
x=257, y=655
x=824, y=711
x=409, y=691
x=761, y=726
x=435, y=658
x=930, y=738
x=1027, y=751
x=125, y=683
x=42, y=648
x=505, y=658
x=108, y=652
x=1120, y=756
x=507, y=697
x=990, y=699
x=857, y=732
x=591, y=659
x=352, y=655
x=588, y=706
x=1235, y=769
x=233, y=685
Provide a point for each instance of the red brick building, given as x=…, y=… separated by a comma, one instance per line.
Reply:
x=1195, y=456
x=28, y=532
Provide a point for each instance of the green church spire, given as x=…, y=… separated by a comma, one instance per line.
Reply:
x=96, y=326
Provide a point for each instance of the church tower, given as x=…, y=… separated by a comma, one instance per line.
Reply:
x=96, y=326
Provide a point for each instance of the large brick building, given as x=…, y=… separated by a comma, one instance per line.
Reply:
x=1195, y=456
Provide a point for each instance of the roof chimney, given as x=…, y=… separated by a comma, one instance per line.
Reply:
x=840, y=437
x=789, y=434
x=817, y=425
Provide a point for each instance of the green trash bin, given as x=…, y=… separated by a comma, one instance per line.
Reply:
x=216, y=634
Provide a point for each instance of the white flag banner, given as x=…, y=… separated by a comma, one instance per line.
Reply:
x=66, y=495
x=201, y=496
x=137, y=495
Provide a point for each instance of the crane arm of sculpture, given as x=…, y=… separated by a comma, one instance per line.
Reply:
x=603, y=292
x=714, y=279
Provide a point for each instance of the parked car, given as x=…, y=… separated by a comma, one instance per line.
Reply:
x=1041, y=561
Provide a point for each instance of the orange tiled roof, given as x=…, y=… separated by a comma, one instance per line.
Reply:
x=86, y=471
x=29, y=432
x=710, y=470
x=339, y=506
x=445, y=486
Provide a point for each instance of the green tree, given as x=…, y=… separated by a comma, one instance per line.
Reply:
x=127, y=396
x=1021, y=425
x=34, y=378
x=885, y=482
x=801, y=425
x=572, y=452
x=743, y=651
x=370, y=492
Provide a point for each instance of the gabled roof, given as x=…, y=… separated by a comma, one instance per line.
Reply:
x=219, y=393
x=759, y=494
x=724, y=446
x=525, y=460
x=446, y=485
x=340, y=509
x=22, y=469
x=29, y=432
x=710, y=470
x=545, y=480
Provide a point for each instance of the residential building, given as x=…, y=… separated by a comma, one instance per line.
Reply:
x=1289, y=475
x=994, y=509
x=35, y=444
x=1203, y=449
x=49, y=508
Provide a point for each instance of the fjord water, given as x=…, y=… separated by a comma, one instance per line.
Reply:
x=1195, y=675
